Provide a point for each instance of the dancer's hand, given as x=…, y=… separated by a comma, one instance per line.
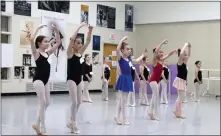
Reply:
x=41, y=26
x=90, y=27
x=165, y=41
x=145, y=52
x=53, y=27
x=83, y=24
x=124, y=39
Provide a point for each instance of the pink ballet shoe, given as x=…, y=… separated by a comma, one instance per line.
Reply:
x=126, y=122
x=176, y=114
x=36, y=129
x=117, y=121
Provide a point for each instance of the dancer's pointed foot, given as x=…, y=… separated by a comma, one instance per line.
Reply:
x=117, y=121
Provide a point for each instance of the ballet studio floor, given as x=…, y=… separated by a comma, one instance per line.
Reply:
x=19, y=113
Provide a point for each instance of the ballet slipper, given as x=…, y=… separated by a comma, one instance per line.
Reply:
x=126, y=122
x=117, y=121
x=182, y=117
x=176, y=114
x=70, y=126
x=157, y=119
x=151, y=116
x=90, y=101
x=36, y=129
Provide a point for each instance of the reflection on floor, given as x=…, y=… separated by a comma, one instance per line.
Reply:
x=18, y=114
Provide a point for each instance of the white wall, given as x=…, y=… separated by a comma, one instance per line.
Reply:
x=73, y=20
x=163, y=12
x=75, y=8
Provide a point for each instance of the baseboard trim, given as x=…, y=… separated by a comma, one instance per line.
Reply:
x=34, y=93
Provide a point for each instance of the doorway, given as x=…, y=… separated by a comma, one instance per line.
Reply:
x=110, y=51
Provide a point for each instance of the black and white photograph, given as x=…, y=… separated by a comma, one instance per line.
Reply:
x=3, y=5
x=4, y=73
x=129, y=12
x=22, y=7
x=96, y=42
x=81, y=36
x=132, y=51
x=26, y=59
x=19, y=72
x=84, y=13
x=55, y=6
x=31, y=72
x=106, y=16
x=95, y=58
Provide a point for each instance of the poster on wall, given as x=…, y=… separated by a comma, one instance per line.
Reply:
x=81, y=36
x=26, y=28
x=96, y=42
x=95, y=58
x=58, y=58
x=26, y=59
x=129, y=12
x=106, y=16
x=31, y=72
x=22, y=7
x=7, y=55
x=3, y=5
x=55, y=6
x=19, y=72
x=84, y=13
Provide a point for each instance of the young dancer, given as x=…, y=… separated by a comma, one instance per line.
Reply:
x=144, y=77
x=106, y=79
x=42, y=74
x=163, y=81
x=180, y=81
x=87, y=77
x=131, y=95
x=197, y=80
x=74, y=73
x=124, y=82
x=158, y=58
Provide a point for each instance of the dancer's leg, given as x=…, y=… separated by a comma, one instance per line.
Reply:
x=86, y=96
x=154, y=105
x=178, y=104
x=164, y=92
x=197, y=92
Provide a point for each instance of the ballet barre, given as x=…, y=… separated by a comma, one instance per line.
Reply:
x=208, y=78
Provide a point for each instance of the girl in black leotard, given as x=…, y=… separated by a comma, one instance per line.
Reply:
x=106, y=79
x=42, y=73
x=197, y=80
x=180, y=81
x=163, y=82
x=75, y=73
x=144, y=78
x=87, y=77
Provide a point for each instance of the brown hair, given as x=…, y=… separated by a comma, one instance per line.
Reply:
x=144, y=58
x=123, y=45
x=38, y=40
x=85, y=56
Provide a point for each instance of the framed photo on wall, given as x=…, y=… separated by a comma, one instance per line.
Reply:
x=31, y=72
x=55, y=6
x=129, y=12
x=19, y=72
x=3, y=5
x=96, y=42
x=84, y=13
x=26, y=59
x=22, y=7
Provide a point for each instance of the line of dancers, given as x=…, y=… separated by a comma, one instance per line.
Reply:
x=79, y=74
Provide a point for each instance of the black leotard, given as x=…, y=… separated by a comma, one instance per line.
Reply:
x=133, y=73
x=42, y=69
x=145, y=73
x=166, y=73
x=199, y=74
x=107, y=73
x=87, y=69
x=182, y=71
x=74, y=69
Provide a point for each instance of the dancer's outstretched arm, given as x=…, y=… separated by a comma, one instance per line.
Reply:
x=88, y=40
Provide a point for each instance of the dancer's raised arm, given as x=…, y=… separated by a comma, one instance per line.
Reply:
x=88, y=40
x=58, y=40
x=72, y=40
x=169, y=54
x=155, y=51
x=119, y=47
x=141, y=57
x=182, y=53
x=33, y=44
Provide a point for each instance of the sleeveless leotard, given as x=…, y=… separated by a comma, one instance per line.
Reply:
x=87, y=70
x=166, y=73
x=199, y=74
x=133, y=73
x=107, y=73
x=145, y=73
x=156, y=74
x=74, y=69
x=124, y=81
x=42, y=69
x=182, y=71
